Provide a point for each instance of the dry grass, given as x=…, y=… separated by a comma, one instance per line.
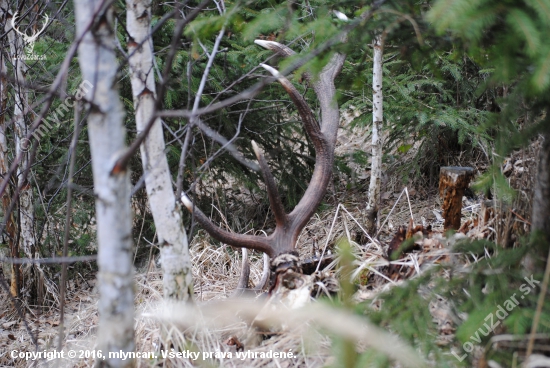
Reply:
x=216, y=316
x=216, y=272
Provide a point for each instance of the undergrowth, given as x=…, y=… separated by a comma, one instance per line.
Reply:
x=477, y=294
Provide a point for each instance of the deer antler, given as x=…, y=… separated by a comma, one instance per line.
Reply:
x=323, y=137
x=44, y=27
x=13, y=26
x=27, y=38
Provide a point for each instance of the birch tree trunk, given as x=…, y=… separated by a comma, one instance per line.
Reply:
x=174, y=251
x=4, y=166
x=112, y=189
x=27, y=235
x=26, y=208
x=377, y=119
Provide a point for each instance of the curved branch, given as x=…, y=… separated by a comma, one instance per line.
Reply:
x=237, y=240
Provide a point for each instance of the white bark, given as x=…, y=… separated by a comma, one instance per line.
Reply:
x=377, y=119
x=26, y=208
x=3, y=101
x=113, y=212
x=3, y=140
x=6, y=197
x=174, y=251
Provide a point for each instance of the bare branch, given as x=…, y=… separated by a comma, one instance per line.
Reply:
x=229, y=147
x=254, y=90
x=124, y=159
x=56, y=260
x=67, y=229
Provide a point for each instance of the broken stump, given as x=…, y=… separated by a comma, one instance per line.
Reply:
x=453, y=180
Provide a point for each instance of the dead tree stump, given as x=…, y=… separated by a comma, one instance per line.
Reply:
x=453, y=180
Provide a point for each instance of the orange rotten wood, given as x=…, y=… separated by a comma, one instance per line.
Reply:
x=453, y=180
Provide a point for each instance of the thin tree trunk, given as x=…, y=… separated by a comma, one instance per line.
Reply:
x=541, y=196
x=4, y=166
x=174, y=251
x=26, y=209
x=377, y=119
x=27, y=240
x=107, y=135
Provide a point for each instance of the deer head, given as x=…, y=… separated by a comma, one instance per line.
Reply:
x=29, y=40
x=322, y=135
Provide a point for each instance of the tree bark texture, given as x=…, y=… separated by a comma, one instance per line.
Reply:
x=377, y=120
x=26, y=223
x=107, y=135
x=27, y=236
x=4, y=166
x=174, y=251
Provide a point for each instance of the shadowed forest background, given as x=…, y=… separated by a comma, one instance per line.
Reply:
x=266, y=176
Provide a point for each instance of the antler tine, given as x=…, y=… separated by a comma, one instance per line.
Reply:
x=323, y=136
x=282, y=50
x=276, y=47
x=324, y=86
x=272, y=191
x=265, y=274
x=45, y=25
x=236, y=240
x=310, y=124
x=13, y=25
x=326, y=91
x=245, y=273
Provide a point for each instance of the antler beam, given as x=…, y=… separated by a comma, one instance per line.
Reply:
x=34, y=36
x=323, y=136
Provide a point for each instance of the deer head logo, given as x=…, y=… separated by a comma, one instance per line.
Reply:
x=29, y=40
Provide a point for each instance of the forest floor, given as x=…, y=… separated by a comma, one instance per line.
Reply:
x=216, y=272
x=216, y=317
